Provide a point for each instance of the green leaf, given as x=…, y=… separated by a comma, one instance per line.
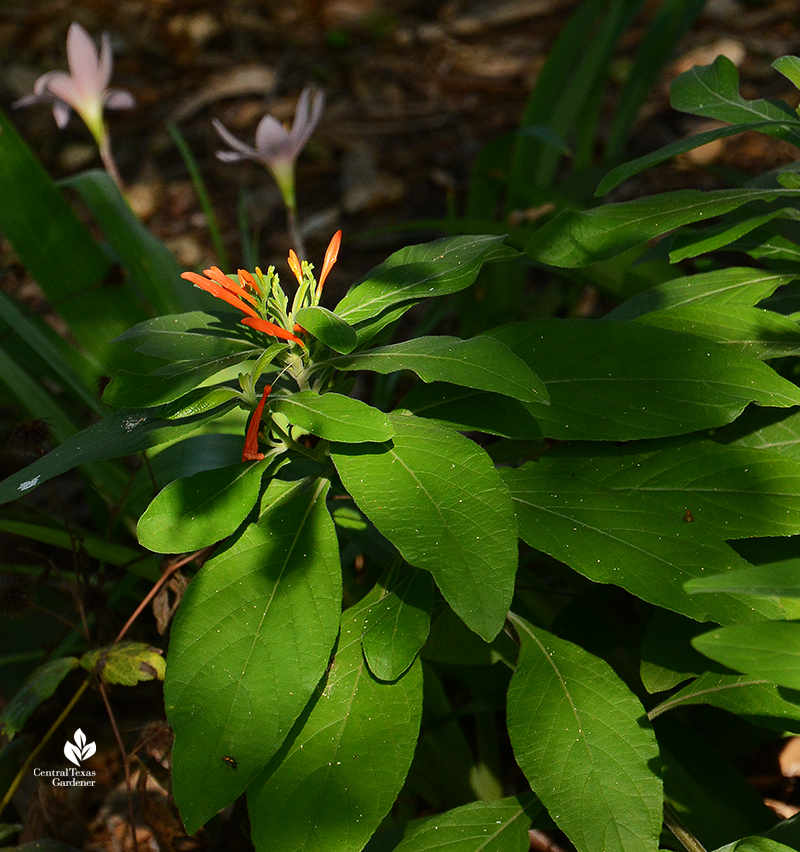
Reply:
x=756, y=844
x=630, y=540
x=767, y=650
x=153, y=270
x=125, y=663
x=789, y=66
x=736, y=492
x=437, y=497
x=120, y=434
x=774, y=581
x=59, y=355
x=479, y=362
x=500, y=826
x=577, y=238
x=168, y=383
x=627, y=170
x=38, y=687
x=50, y=239
x=416, y=273
x=620, y=381
x=323, y=791
x=469, y=410
x=334, y=417
x=328, y=328
x=66, y=536
x=397, y=625
x=712, y=91
x=200, y=510
x=191, y=336
x=734, y=286
x=667, y=656
x=751, y=331
x=588, y=752
x=687, y=243
x=251, y=640
x=758, y=700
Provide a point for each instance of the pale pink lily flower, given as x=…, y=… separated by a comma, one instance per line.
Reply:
x=85, y=89
x=276, y=147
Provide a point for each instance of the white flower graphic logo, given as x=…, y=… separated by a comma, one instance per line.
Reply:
x=80, y=749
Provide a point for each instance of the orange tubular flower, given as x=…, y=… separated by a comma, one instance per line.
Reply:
x=250, y=451
x=219, y=285
x=330, y=258
x=270, y=328
x=294, y=265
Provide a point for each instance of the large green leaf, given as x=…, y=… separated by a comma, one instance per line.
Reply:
x=755, y=698
x=168, y=383
x=396, y=626
x=336, y=778
x=585, y=745
x=580, y=237
x=729, y=287
x=120, y=434
x=500, y=826
x=479, y=362
x=736, y=492
x=416, y=273
x=620, y=381
x=200, y=510
x=191, y=336
x=630, y=540
x=251, y=640
x=712, y=91
x=334, y=417
x=768, y=650
x=437, y=497
x=154, y=272
x=751, y=331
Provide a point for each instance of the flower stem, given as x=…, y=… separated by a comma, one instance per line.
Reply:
x=682, y=834
x=108, y=161
x=294, y=232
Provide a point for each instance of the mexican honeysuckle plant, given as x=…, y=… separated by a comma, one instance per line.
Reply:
x=366, y=556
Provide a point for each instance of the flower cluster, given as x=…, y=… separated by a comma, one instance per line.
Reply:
x=256, y=295
x=263, y=301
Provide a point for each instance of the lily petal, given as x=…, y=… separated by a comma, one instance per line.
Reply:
x=239, y=148
x=84, y=65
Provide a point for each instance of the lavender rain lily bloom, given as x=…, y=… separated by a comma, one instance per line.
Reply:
x=276, y=147
x=84, y=89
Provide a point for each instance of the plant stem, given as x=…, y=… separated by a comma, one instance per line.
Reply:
x=682, y=834
x=294, y=233
x=110, y=164
x=45, y=739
